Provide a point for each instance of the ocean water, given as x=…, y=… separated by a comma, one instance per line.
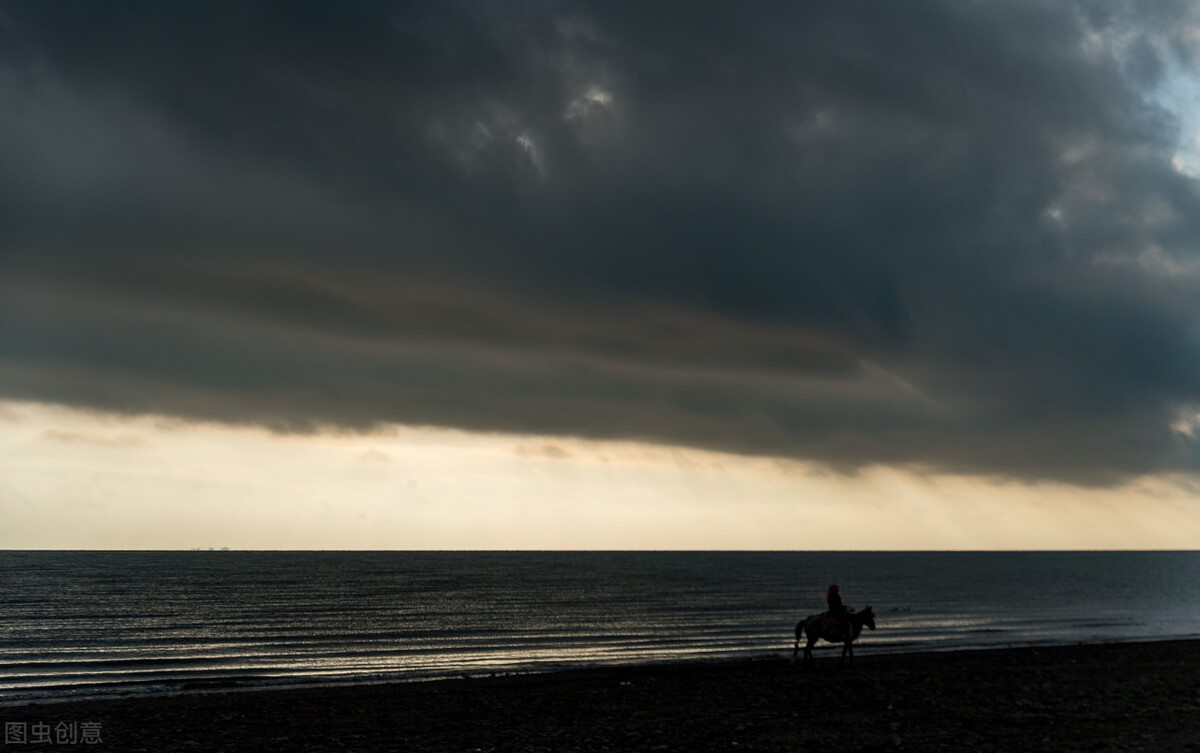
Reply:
x=90, y=623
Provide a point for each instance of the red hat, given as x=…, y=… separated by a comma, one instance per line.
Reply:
x=831, y=590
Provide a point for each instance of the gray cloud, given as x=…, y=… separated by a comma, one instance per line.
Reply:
x=939, y=234
x=117, y=441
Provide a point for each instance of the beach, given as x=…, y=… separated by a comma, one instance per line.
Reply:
x=1129, y=696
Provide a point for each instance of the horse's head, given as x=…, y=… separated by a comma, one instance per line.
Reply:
x=868, y=618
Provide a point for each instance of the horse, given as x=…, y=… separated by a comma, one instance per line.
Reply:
x=818, y=626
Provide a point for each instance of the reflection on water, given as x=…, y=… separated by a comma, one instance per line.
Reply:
x=82, y=622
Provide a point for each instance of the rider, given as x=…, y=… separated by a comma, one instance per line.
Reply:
x=837, y=611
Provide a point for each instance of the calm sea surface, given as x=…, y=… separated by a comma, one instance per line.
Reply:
x=86, y=623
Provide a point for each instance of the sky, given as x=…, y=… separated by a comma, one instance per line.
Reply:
x=564, y=275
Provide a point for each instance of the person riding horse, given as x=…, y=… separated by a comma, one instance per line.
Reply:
x=838, y=614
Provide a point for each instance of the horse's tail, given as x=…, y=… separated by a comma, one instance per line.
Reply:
x=799, y=632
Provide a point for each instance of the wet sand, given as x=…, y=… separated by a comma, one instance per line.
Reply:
x=1102, y=697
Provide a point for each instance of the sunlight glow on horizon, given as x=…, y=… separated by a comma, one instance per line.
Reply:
x=75, y=479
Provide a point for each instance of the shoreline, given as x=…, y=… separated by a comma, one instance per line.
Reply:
x=823, y=652
x=1104, y=696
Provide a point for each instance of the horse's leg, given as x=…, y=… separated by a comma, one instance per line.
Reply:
x=796, y=647
x=848, y=643
x=808, y=657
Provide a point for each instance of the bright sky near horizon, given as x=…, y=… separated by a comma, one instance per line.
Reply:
x=74, y=479
x=587, y=275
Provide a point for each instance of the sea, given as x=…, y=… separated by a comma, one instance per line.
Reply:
x=92, y=623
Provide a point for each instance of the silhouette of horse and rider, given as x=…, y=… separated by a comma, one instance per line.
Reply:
x=838, y=625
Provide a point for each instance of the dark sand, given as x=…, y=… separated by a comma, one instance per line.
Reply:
x=1106, y=697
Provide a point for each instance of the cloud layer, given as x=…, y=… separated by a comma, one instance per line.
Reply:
x=941, y=234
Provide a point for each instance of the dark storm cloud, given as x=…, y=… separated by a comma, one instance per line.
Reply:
x=941, y=234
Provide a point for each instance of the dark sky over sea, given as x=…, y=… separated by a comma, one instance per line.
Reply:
x=949, y=235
